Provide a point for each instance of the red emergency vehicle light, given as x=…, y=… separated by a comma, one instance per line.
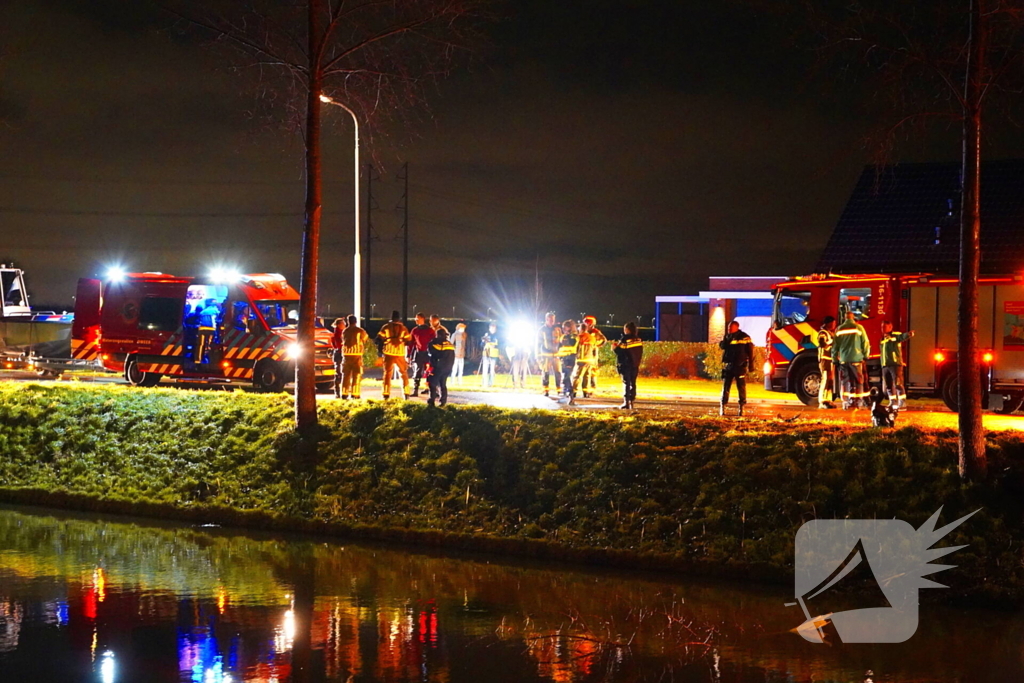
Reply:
x=939, y=356
x=988, y=357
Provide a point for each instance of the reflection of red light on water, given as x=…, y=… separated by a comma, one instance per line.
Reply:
x=89, y=604
x=428, y=627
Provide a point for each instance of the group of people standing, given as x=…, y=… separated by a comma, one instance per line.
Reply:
x=843, y=351
x=567, y=352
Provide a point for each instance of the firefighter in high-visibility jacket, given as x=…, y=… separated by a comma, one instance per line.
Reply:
x=567, y=347
x=491, y=354
x=892, y=363
x=392, y=341
x=850, y=352
x=589, y=340
x=826, y=338
x=353, y=342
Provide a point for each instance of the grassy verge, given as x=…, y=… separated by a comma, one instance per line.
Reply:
x=701, y=494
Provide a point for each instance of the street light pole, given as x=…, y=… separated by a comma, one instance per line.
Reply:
x=357, y=264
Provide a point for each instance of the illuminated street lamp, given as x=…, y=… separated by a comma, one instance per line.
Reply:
x=356, y=258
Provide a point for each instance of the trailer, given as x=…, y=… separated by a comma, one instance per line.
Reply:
x=922, y=302
x=39, y=341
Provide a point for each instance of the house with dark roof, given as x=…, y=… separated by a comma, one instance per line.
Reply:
x=906, y=219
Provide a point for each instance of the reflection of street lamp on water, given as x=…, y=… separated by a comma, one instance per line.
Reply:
x=453, y=313
x=373, y=308
x=611, y=318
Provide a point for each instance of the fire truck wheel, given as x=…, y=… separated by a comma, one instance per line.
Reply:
x=48, y=374
x=806, y=382
x=1011, y=404
x=268, y=376
x=137, y=378
x=949, y=392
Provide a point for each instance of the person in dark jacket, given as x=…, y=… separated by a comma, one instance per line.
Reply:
x=629, y=351
x=737, y=361
x=441, y=353
x=548, y=337
x=422, y=335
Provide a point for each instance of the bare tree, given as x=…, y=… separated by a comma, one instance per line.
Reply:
x=941, y=61
x=372, y=55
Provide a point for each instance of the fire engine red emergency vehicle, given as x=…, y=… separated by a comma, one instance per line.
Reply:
x=924, y=303
x=235, y=329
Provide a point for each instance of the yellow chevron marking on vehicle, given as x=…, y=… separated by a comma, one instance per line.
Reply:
x=786, y=338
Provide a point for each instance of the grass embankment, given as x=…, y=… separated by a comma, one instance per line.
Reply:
x=702, y=495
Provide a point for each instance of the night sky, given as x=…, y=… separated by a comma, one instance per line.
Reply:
x=624, y=149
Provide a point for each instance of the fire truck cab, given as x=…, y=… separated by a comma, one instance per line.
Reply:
x=921, y=302
x=152, y=325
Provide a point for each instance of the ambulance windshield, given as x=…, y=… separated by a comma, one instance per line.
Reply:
x=279, y=312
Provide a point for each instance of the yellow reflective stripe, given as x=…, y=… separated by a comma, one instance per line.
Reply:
x=631, y=344
x=740, y=341
x=848, y=330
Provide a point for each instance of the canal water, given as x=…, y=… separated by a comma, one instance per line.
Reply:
x=111, y=600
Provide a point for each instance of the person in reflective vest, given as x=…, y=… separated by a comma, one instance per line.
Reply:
x=892, y=364
x=629, y=351
x=548, y=337
x=826, y=337
x=392, y=342
x=567, y=347
x=354, y=340
x=337, y=353
x=589, y=341
x=601, y=341
x=737, y=361
x=208, y=317
x=441, y=354
x=491, y=353
x=850, y=350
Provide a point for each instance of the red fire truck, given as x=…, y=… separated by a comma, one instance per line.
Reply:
x=235, y=329
x=924, y=303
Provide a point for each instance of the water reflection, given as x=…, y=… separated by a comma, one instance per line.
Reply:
x=97, y=600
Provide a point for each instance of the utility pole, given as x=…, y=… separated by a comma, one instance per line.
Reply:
x=404, y=177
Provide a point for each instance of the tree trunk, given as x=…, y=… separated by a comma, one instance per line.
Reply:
x=973, y=463
x=305, y=379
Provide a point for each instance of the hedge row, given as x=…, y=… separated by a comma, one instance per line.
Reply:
x=700, y=494
x=676, y=360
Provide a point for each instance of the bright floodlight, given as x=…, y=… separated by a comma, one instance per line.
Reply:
x=116, y=274
x=222, y=275
x=521, y=334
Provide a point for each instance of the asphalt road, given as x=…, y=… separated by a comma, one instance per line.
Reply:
x=920, y=413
